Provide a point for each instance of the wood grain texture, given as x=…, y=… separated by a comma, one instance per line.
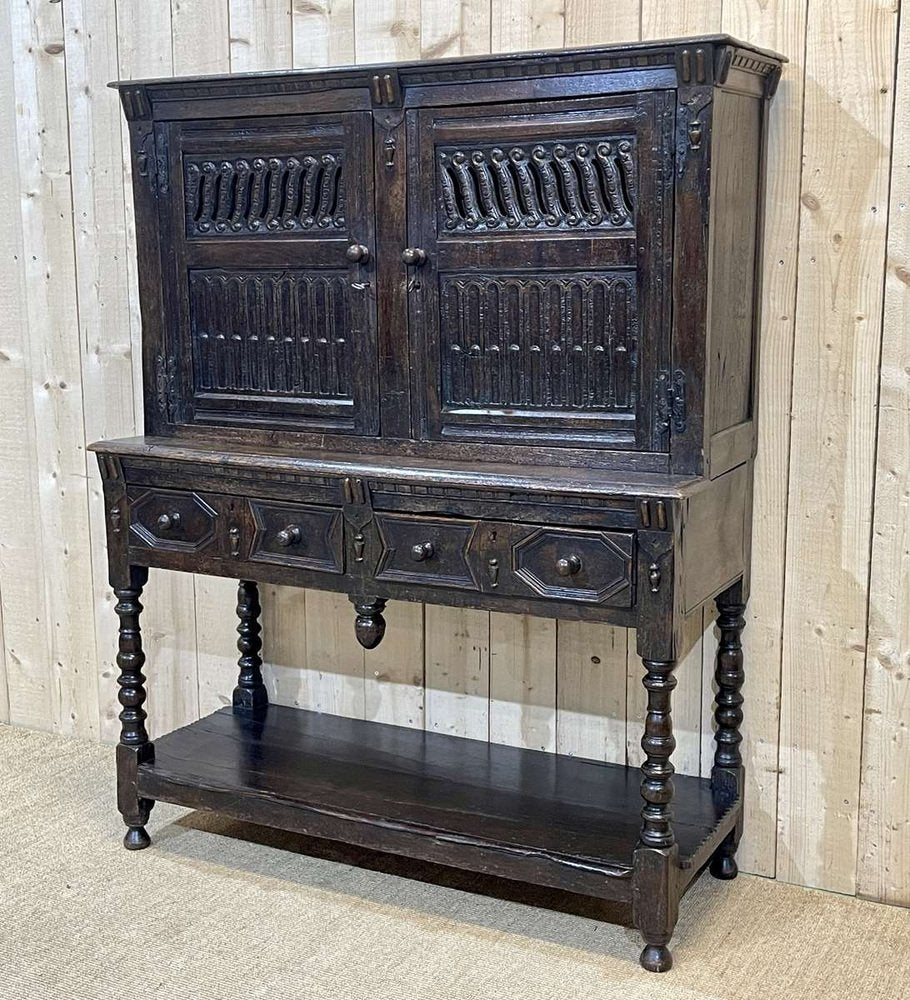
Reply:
x=591, y=691
x=458, y=671
x=778, y=25
x=838, y=268
x=590, y=22
x=323, y=32
x=26, y=642
x=54, y=360
x=101, y=284
x=528, y=24
x=261, y=35
x=387, y=30
x=849, y=76
x=145, y=47
x=883, y=864
x=454, y=28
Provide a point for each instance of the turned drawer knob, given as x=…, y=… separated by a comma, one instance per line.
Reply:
x=422, y=551
x=168, y=521
x=288, y=536
x=568, y=565
x=357, y=253
x=414, y=256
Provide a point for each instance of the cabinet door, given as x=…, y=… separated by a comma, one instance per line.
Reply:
x=538, y=299
x=270, y=228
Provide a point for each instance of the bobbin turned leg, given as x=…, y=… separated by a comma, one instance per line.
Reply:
x=727, y=775
x=250, y=694
x=134, y=747
x=369, y=625
x=655, y=897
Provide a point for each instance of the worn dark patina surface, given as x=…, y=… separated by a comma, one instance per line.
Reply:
x=478, y=332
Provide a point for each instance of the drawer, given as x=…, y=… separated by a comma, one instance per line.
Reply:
x=172, y=520
x=426, y=550
x=297, y=535
x=566, y=564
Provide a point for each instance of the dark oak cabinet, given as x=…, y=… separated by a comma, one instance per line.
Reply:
x=479, y=332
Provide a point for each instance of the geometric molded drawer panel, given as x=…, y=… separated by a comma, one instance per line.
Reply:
x=173, y=520
x=294, y=535
x=565, y=564
x=427, y=550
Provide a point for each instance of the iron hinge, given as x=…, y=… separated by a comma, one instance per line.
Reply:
x=671, y=401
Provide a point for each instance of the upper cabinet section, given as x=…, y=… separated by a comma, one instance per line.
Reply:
x=509, y=256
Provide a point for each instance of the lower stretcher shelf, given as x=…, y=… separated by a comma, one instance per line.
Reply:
x=537, y=817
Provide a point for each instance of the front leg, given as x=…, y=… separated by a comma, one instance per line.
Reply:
x=135, y=747
x=728, y=775
x=655, y=902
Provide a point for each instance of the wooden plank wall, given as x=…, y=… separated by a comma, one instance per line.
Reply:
x=828, y=639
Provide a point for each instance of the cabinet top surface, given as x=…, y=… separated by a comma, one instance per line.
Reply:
x=541, y=62
x=479, y=475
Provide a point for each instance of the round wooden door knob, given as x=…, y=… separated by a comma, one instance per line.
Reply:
x=568, y=566
x=288, y=536
x=414, y=256
x=357, y=253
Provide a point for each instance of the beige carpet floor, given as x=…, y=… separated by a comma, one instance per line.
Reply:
x=217, y=909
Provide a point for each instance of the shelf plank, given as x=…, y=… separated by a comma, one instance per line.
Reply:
x=557, y=821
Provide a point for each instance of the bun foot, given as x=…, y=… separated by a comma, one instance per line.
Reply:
x=656, y=958
x=724, y=867
x=136, y=838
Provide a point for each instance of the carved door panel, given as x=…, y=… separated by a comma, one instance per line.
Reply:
x=538, y=286
x=271, y=320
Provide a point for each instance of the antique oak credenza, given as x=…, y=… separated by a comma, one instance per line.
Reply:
x=479, y=332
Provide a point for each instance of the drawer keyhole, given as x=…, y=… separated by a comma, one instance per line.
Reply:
x=422, y=551
x=568, y=566
x=288, y=536
x=168, y=521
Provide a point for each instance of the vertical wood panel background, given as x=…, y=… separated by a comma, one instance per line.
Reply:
x=828, y=639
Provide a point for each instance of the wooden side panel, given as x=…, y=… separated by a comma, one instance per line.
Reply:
x=780, y=25
x=26, y=641
x=884, y=824
x=735, y=166
x=850, y=63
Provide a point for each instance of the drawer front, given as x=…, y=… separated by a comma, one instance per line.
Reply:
x=172, y=520
x=293, y=535
x=425, y=550
x=564, y=564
